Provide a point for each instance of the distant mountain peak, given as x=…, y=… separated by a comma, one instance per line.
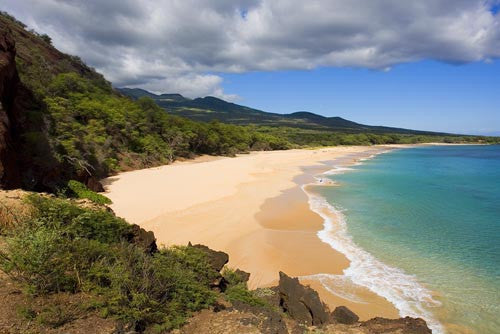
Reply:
x=210, y=108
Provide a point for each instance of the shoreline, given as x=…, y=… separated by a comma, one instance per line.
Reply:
x=254, y=208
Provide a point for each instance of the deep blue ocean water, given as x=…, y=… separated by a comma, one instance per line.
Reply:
x=433, y=212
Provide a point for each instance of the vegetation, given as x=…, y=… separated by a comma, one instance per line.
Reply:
x=66, y=248
x=237, y=290
x=79, y=190
x=99, y=132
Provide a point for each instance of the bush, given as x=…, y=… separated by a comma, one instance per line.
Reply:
x=46, y=38
x=237, y=290
x=79, y=190
x=65, y=248
x=160, y=289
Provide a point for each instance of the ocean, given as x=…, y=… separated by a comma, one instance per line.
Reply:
x=421, y=227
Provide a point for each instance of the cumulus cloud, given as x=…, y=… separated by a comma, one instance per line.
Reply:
x=177, y=45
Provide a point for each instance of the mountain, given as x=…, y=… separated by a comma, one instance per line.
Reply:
x=210, y=108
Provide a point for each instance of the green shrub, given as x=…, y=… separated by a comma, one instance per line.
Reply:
x=79, y=190
x=240, y=292
x=63, y=247
x=55, y=316
x=27, y=313
x=75, y=222
x=41, y=260
x=237, y=289
x=159, y=289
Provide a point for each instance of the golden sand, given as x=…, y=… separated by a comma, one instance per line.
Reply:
x=251, y=207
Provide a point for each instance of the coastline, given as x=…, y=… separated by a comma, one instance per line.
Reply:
x=254, y=208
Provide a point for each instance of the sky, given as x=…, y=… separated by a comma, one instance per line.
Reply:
x=427, y=64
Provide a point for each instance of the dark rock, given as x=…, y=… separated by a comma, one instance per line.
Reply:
x=142, y=238
x=216, y=259
x=9, y=82
x=93, y=184
x=243, y=275
x=270, y=295
x=343, y=315
x=219, y=283
x=301, y=302
x=27, y=158
x=405, y=325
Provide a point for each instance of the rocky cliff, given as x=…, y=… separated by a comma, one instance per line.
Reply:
x=27, y=159
x=9, y=84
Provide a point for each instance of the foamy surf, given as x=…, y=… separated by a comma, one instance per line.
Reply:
x=401, y=289
x=337, y=170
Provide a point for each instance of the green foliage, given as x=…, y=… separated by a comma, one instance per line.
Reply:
x=46, y=38
x=26, y=313
x=75, y=222
x=97, y=131
x=240, y=292
x=55, y=316
x=159, y=289
x=66, y=248
x=79, y=190
x=237, y=290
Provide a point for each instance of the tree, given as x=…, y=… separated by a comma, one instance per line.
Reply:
x=46, y=38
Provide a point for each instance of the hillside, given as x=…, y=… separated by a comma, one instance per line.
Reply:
x=212, y=108
x=62, y=120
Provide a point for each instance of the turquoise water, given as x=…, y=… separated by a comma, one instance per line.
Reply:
x=433, y=212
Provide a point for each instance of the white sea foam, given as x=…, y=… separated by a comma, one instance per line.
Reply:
x=337, y=170
x=401, y=289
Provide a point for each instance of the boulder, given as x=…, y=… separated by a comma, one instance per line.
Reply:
x=301, y=302
x=243, y=275
x=405, y=325
x=216, y=259
x=142, y=238
x=93, y=184
x=343, y=315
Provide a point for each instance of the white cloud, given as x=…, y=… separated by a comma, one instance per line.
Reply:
x=174, y=45
x=191, y=85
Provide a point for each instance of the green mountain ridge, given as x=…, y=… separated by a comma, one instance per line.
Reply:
x=212, y=108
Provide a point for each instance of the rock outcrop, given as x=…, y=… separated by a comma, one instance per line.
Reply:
x=9, y=83
x=217, y=261
x=343, y=315
x=301, y=302
x=405, y=325
x=26, y=156
x=144, y=239
x=243, y=275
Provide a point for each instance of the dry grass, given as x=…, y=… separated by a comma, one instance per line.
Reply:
x=13, y=209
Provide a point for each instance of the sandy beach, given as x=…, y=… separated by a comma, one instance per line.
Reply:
x=253, y=208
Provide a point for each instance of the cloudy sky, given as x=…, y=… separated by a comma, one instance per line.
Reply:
x=428, y=64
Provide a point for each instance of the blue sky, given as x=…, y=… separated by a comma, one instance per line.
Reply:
x=426, y=95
